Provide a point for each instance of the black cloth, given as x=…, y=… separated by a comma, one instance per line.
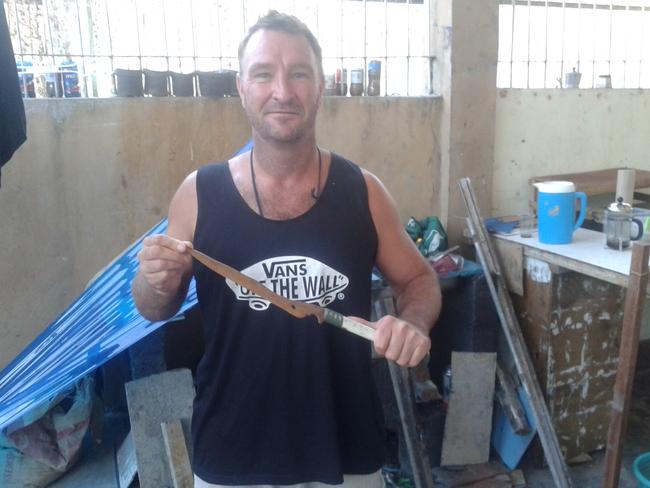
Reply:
x=282, y=400
x=13, y=126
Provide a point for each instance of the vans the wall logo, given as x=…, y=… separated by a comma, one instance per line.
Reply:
x=293, y=277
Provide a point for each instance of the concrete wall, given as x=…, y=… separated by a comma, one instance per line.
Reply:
x=95, y=174
x=465, y=34
x=545, y=132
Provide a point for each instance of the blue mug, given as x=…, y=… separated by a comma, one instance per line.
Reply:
x=556, y=214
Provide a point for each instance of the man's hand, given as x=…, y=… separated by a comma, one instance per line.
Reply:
x=164, y=263
x=400, y=341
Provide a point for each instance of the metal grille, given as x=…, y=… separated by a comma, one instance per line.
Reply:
x=96, y=37
x=541, y=43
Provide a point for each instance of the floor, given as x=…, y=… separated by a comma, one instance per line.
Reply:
x=98, y=469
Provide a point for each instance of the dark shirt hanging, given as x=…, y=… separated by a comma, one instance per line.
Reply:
x=13, y=126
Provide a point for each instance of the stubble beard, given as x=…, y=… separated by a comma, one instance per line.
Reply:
x=269, y=133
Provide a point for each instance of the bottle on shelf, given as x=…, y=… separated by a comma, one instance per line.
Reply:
x=356, y=82
x=374, y=78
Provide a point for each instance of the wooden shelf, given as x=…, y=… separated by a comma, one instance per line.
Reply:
x=592, y=182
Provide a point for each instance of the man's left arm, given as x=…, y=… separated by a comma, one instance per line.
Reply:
x=403, y=339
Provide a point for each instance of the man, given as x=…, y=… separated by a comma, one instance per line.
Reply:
x=281, y=400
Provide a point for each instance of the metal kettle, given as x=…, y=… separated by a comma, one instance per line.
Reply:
x=618, y=225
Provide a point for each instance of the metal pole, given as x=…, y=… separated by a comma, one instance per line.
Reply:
x=514, y=337
x=420, y=465
x=137, y=30
x=110, y=38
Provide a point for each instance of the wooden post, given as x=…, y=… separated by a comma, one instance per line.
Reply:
x=634, y=302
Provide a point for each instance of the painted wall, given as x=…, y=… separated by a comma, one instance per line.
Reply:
x=95, y=174
x=545, y=132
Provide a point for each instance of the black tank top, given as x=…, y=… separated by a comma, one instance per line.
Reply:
x=282, y=400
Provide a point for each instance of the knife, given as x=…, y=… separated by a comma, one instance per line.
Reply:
x=293, y=307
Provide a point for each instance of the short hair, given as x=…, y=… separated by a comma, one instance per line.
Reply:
x=289, y=24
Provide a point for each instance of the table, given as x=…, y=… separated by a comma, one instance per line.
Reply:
x=570, y=310
x=587, y=254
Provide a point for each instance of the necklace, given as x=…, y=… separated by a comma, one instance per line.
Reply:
x=315, y=192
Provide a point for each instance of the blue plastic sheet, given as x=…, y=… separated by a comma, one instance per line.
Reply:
x=98, y=325
x=102, y=322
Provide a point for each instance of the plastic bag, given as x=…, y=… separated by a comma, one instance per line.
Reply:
x=428, y=234
x=48, y=442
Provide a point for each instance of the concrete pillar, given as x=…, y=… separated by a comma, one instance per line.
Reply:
x=465, y=34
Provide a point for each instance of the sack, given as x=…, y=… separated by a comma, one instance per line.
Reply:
x=49, y=440
x=428, y=234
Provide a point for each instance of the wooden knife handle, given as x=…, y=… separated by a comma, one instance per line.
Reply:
x=357, y=328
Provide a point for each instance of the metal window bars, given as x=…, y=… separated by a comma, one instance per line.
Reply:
x=540, y=41
x=100, y=36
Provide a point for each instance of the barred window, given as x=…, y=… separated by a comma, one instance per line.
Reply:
x=542, y=43
x=93, y=38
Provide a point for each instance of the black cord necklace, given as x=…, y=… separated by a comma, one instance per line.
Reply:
x=315, y=192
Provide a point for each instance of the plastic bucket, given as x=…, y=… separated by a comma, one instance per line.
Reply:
x=182, y=84
x=556, y=211
x=156, y=83
x=641, y=470
x=127, y=82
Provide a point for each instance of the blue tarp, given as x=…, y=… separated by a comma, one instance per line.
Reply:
x=96, y=327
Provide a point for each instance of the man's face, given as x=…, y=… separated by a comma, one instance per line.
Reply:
x=280, y=86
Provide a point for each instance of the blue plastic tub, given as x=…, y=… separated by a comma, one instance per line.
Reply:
x=641, y=469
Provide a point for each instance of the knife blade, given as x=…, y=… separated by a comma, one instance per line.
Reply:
x=296, y=308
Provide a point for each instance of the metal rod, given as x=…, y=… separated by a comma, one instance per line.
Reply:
x=609, y=53
x=528, y=50
x=595, y=44
x=385, y=58
x=578, y=47
x=81, y=45
x=563, y=35
x=365, y=45
x=193, y=34
x=164, y=16
x=49, y=28
x=137, y=29
x=219, y=39
x=512, y=40
x=545, y=42
x=420, y=465
x=408, y=48
x=110, y=37
x=514, y=337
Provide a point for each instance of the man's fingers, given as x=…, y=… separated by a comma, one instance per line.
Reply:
x=157, y=252
x=382, y=336
x=165, y=241
x=400, y=341
x=420, y=353
x=149, y=266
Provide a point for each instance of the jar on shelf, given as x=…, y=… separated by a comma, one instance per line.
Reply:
x=330, y=86
x=356, y=82
x=342, y=82
x=374, y=78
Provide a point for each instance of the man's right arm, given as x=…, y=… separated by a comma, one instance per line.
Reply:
x=165, y=271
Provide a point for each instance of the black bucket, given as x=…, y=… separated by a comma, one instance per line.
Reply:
x=230, y=80
x=182, y=84
x=217, y=84
x=127, y=82
x=156, y=83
